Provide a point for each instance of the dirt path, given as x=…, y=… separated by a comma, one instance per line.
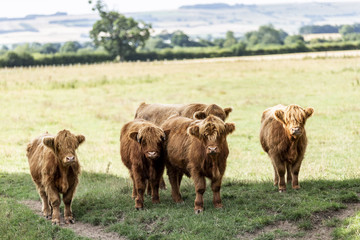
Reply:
x=81, y=229
x=327, y=54
x=319, y=229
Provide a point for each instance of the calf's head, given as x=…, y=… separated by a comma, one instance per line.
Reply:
x=64, y=145
x=150, y=139
x=214, y=110
x=212, y=132
x=293, y=118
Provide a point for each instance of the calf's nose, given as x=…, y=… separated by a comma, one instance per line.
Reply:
x=152, y=154
x=295, y=129
x=70, y=158
x=212, y=149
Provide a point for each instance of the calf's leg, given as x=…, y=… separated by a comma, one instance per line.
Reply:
x=134, y=193
x=45, y=203
x=162, y=184
x=67, y=199
x=54, y=199
x=288, y=172
x=276, y=177
x=295, y=175
x=140, y=189
x=215, y=187
x=174, y=177
x=200, y=186
x=280, y=169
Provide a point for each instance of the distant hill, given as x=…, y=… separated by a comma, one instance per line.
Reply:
x=195, y=20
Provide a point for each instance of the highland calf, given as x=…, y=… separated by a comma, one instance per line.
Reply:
x=283, y=138
x=158, y=113
x=141, y=150
x=198, y=149
x=54, y=168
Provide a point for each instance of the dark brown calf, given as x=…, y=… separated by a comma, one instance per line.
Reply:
x=197, y=148
x=283, y=137
x=54, y=168
x=141, y=150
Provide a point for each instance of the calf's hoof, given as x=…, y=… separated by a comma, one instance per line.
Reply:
x=297, y=187
x=218, y=205
x=156, y=201
x=198, y=211
x=282, y=190
x=69, y=220
x=55, y=222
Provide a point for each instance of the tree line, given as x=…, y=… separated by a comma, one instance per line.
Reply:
x=117, y=37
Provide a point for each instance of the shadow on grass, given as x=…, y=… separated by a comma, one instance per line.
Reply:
x=103, y=199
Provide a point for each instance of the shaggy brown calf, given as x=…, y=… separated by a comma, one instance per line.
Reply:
x=54, y=168
x=197, y=148
x=141, y=150
x=158, y=113
x=283, y=137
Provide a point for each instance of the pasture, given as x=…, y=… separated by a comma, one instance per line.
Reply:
x=96, y=100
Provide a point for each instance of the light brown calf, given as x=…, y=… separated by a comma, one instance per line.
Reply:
x=54, y=168
x=283, y=138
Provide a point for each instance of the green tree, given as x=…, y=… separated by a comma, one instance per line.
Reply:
x=180, y=39
x=49, y=48
x=70, y=46
x=230, y=39
x=346, y=29
x=266, y=34
x=293, y=39
x=156, y=43
x=119, y=35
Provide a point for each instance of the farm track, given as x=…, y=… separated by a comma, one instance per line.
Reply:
x=300, y=56
x=80, y=228
x=319, y=230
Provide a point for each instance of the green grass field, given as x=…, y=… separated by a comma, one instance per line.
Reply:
x=96, y=100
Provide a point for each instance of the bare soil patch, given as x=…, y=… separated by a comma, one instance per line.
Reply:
x=81, y=229
x=319, y=231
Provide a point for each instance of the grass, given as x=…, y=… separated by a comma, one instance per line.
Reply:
x=18, y=221
x=96, y=100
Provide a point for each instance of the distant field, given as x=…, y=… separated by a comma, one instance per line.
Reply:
x=96, y=100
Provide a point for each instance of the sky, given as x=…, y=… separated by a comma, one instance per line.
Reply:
x=21, y=8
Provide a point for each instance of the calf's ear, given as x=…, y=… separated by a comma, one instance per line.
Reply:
x=49, y=142
x=229, y=127
x=199, y=115
x=279, y=115
x=134, y=136
x=309, y=111
x=80, y=138
x=194, y=131
x=227, y=111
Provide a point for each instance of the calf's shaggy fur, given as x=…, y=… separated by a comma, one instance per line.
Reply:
x=158, y=113
x=197, y=148
x=283, y=138
x=54, y=168
x=141, y=150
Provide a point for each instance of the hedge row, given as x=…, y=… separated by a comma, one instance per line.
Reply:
x=239, y=51
x=13, y=59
